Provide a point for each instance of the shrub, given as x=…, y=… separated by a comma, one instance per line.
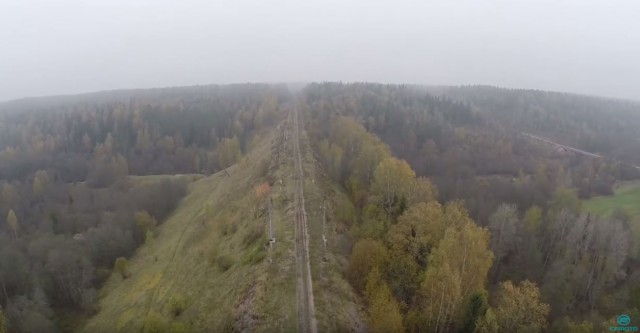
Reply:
x=145, y=221
x=177, y=305
x=224, y=263
x=121, y=267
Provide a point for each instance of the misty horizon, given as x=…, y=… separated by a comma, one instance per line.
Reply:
x=305, y=83
x=73, y=47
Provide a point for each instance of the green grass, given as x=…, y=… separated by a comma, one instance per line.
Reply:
x=626, y=197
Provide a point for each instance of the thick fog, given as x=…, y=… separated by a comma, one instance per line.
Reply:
x=62, y=47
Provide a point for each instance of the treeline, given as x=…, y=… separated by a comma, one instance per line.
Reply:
x=68, y=208
x=530, y=262
x=155, y=132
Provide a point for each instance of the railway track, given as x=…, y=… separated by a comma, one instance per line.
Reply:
x=304, y=287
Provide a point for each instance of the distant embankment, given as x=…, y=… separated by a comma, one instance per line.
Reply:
x=575, y=150
x=567, y=148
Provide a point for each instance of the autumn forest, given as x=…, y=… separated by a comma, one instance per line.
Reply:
x=450, y=218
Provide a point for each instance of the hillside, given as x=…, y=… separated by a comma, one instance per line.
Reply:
x=212, y=253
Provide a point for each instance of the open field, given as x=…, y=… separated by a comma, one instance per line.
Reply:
x=626, y=198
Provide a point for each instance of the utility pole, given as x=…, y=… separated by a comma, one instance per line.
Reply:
x=324, y=224
x=272, y=239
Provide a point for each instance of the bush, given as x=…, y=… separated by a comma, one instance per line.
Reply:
x=145, y=221
x=121, y=267
x=224, y=263
x=177, y=305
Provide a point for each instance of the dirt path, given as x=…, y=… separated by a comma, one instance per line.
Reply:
x=304, y=288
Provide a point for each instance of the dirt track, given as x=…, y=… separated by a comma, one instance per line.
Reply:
x=304, y=288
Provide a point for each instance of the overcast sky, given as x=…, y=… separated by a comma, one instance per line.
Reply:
x=62, y=47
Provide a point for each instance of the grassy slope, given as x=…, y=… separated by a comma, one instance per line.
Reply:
x=258, y=296
x=626, y=197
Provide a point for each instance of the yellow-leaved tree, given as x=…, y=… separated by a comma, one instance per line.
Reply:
x=457, y=269
x=392, y=184
x=367, y=254
x=520, y=309
x=384, y=310
x=418, y=230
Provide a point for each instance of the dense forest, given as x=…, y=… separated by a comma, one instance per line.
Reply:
x=456, y=222
x=71, y=203
x=493, y=240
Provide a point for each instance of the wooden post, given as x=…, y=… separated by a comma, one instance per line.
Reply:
x=272, y=238
x=324, y=224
